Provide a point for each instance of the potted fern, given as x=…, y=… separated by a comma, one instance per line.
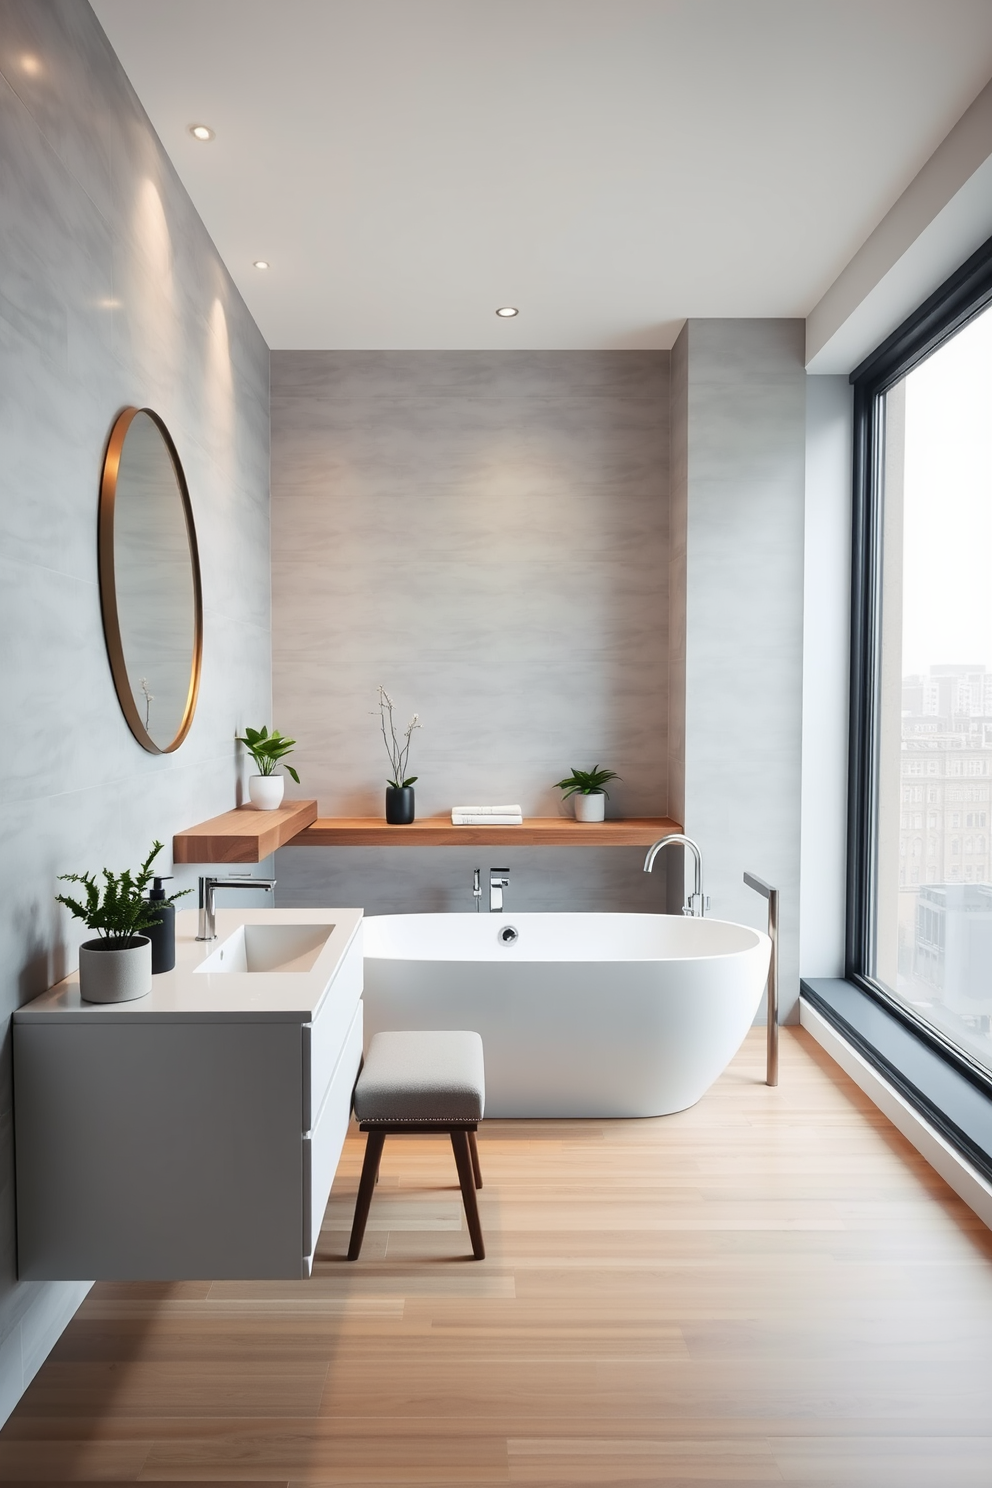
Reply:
x=265, y=790
x=588, y=791
x=117, y=966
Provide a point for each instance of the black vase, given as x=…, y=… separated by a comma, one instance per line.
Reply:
x=399, y=805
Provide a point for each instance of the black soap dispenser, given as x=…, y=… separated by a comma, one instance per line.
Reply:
x=163, y=934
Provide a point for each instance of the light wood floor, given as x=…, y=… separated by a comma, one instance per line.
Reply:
x=769, y=1288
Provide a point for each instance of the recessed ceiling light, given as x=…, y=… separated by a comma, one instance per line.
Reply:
x=507, y=311
x=201, y=132
x=260, y=263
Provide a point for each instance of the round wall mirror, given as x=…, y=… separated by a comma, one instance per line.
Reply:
x=150, y=581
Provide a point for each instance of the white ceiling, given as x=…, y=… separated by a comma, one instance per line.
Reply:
x=609, y=166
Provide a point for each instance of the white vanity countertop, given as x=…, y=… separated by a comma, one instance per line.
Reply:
x=184, y=994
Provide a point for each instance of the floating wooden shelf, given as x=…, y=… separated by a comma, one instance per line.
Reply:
x=437, y=831
x=247, y=836
x=243, y=835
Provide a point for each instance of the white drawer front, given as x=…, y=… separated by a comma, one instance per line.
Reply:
x=329, y=1030
x=322, y=1148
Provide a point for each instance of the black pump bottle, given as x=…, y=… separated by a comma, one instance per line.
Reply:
x=162, y=935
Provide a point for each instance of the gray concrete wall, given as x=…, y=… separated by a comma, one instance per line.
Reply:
x=111, y=293
x=744, y=480
x=486, y=533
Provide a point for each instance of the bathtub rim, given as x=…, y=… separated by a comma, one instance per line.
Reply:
x=508, y=953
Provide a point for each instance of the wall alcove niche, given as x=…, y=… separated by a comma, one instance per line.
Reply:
x=150, y=581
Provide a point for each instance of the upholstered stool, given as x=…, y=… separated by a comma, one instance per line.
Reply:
x=422, y=1082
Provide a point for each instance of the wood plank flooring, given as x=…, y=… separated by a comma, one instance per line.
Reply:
x=771, y=1288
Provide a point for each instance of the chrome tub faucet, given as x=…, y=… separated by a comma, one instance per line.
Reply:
x=209, y=886
x=695, y=905
x=499, y=879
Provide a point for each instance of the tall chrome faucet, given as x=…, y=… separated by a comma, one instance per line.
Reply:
x=209, y=886
x=695, y=905
x=499, y=879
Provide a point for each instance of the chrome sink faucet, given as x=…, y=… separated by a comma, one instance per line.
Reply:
x=499, y=879
x=695, y=905
x=209, y=886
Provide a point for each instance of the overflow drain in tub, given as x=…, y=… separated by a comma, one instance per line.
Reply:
x=508, y=934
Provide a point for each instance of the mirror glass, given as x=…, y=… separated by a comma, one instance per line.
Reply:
x=150, y=581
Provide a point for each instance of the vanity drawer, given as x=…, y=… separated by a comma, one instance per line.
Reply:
x=324, y=1038
x=322, y=1146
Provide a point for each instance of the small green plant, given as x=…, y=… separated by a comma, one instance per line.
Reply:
x=117, y=910
x=268, y=749
x=586, y=782
x=399, y=754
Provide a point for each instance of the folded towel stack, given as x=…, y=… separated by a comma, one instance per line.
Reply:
x=486, y=816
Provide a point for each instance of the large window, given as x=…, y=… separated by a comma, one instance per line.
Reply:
x=921, y=911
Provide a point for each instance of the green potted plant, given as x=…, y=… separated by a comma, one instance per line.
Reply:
x=116, y=967
x=265, y=789
x=399, y=790
x=588, y=791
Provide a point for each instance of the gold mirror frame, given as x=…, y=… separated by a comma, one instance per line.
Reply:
x=108, y=583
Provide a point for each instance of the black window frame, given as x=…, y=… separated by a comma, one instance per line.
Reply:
x=966, y=294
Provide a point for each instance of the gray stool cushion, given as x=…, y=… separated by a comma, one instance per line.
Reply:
x=416, y=1076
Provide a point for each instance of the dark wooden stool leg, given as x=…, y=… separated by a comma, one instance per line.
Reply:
x=370, y=1170
x=473, y=1148
x=466, y=1178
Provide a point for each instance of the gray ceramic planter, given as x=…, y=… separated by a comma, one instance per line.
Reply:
x=115, y=973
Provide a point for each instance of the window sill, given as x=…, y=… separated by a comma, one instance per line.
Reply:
x=952, y=1104
x=946, y=1160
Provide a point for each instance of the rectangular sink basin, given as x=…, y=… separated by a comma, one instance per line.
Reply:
x=268, y=948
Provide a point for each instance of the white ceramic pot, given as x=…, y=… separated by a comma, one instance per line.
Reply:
x=266, y=791
x=115, y=973
x=591, y=808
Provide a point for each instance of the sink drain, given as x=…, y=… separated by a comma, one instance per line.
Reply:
x=508, y=934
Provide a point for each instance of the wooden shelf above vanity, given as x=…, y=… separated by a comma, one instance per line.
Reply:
x=247, y=836
x=243, y=835
x=437, y=831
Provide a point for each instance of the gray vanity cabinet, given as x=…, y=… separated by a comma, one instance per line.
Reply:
x=172, y=1141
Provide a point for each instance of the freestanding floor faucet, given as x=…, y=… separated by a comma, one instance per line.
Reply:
x=208, y=886
x=767, y=892
x=695, y=904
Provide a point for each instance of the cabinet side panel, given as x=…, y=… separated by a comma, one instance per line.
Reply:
x=331, y=1128
x=158, y=1152
x=331, y=1026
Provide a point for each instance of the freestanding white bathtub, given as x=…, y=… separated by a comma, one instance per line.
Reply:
x=580, y=1014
